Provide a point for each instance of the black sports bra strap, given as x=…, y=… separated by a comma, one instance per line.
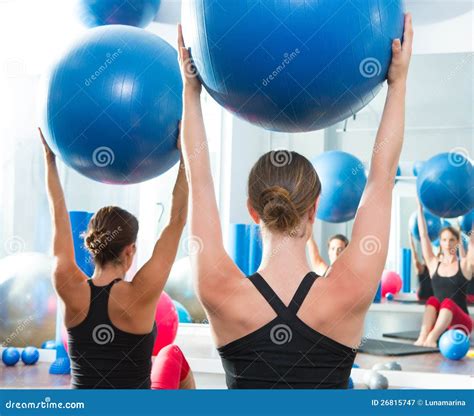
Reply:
x=267, y=292
x=302, y=292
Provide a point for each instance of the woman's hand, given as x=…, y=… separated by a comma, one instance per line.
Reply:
x=48, y=153
x=398, y=71
x=189, y=73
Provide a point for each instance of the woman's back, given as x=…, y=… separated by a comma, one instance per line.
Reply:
x=104, y=356
x=286, y=352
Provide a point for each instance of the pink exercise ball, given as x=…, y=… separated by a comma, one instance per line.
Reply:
x=391, y=282
x=166, y=319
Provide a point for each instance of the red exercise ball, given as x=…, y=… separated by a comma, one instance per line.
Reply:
x=391, y=282
x=166, y=319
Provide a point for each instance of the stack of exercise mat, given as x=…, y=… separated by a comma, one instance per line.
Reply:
x=246, y=247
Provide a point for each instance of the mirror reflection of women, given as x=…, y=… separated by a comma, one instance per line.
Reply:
x=450, y=276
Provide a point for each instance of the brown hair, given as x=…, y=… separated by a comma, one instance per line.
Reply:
x=110, y=230
x=282, y=187
x=340, y=237
x=452, y=230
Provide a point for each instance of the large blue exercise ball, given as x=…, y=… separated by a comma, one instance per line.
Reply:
x=138, y=13
x=27, y=299
x=343, y=180
x=417, y=167
x=466, y=222
x=113, y=104
x=445, y=185
x=184, y=317
x=433, y=224
x=292, y=66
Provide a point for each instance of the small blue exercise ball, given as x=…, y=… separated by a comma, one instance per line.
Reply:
x=138, y=13
x=445, y=185
x=466, y=222
x=433, y=223
x=30, y=355
x=183, y=315
x=454, y=344
x=10, y=356
x=292, y=66
x=417, y=167
x=343, y=180
x=350, y=384
x=113, y=105
x=49, y=345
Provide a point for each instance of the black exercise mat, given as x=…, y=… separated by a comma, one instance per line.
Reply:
x=379, y=347
x=408, y=335
x=411, y=336
x=408, y=301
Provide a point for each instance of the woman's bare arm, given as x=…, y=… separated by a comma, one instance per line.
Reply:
x=318, y=264
x=210, y=262
x=67, y=274
x=150, y=280
x=362, y=263
x=426, y=247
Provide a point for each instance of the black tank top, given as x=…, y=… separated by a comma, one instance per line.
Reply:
x=103, y=356
x=425, y=290
x=286, y=353
x=453, y=287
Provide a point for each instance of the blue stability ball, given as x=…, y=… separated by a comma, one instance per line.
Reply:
x=30, y=355
x=454, y=344
x=343, y=180
x=445, y=185
x=138, y=13
x=10, y=356
x=113, y=105
x=183, y=315
x=433, y=223
x=466, y=222
x=292, y=66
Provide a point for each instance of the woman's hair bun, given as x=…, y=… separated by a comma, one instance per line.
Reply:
x=279, y=212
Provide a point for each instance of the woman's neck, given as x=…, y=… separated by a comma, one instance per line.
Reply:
x=284, y=254
x=108, y=273
x=449, y=258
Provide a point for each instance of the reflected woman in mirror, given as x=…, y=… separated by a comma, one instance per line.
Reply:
x=450, y=276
